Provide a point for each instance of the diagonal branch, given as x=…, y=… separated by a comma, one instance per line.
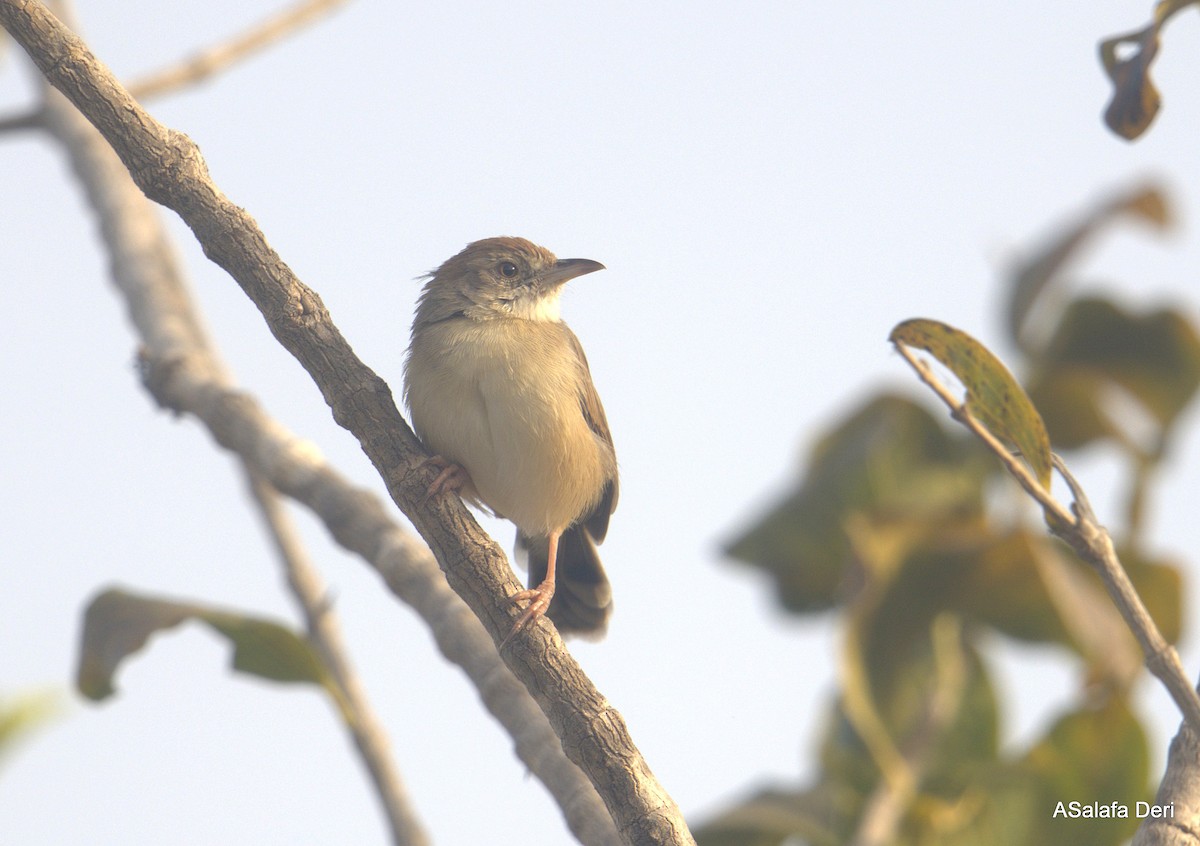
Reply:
x=168, y=167
x=1079, y=529
x=181, y=370
x=212, y=60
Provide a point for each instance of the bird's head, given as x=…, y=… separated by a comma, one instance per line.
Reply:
x=498, y=278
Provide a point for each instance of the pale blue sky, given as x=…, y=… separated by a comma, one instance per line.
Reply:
x=772, y=187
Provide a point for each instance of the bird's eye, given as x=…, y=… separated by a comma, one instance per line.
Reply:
x=508, y=270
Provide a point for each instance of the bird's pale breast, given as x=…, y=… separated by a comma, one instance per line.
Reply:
x=517, y=430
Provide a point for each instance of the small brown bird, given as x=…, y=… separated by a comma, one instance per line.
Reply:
x=499, y=389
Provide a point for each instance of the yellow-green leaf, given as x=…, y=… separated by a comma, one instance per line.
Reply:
x=993, y=396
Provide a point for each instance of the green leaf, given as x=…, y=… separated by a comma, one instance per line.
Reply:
x=771, y=817
x=897, y=687
x=1019, y=582
x=889, y=457
x=117, y=624
x=1092, y=754
x=976, y=573
x=1071, y=403
x=1098, y=346
x=1034, y=588
x=938, y=708
x=993, y=395
x=1001, y=585
x=996, y=808
x=910, y=574
x=268, y=650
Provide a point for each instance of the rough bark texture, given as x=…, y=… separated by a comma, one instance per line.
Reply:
x=1180, y=788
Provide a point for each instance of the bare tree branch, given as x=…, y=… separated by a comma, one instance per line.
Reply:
x=324, y=633
x=168, y=168
x=1080, y=530
x=183, y=374
x=212, y=60
x=1179, y=790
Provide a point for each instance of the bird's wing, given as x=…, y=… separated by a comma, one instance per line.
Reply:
x=593, y=413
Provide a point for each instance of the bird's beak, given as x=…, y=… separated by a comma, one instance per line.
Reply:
x=567, y=269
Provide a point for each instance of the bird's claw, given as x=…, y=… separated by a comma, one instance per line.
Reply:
x=453, y=477
x=539, y=601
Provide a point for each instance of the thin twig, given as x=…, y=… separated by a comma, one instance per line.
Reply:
x=1091, y=542
x=210, y=61
x=1081, y=505
x=325, y=634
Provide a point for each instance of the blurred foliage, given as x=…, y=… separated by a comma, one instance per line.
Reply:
x=1127, y=59
x=1098, y=348
x=22, y=713
x=905, y=526
x=117, y=624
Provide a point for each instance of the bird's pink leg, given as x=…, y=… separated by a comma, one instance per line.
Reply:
x=540, y=596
